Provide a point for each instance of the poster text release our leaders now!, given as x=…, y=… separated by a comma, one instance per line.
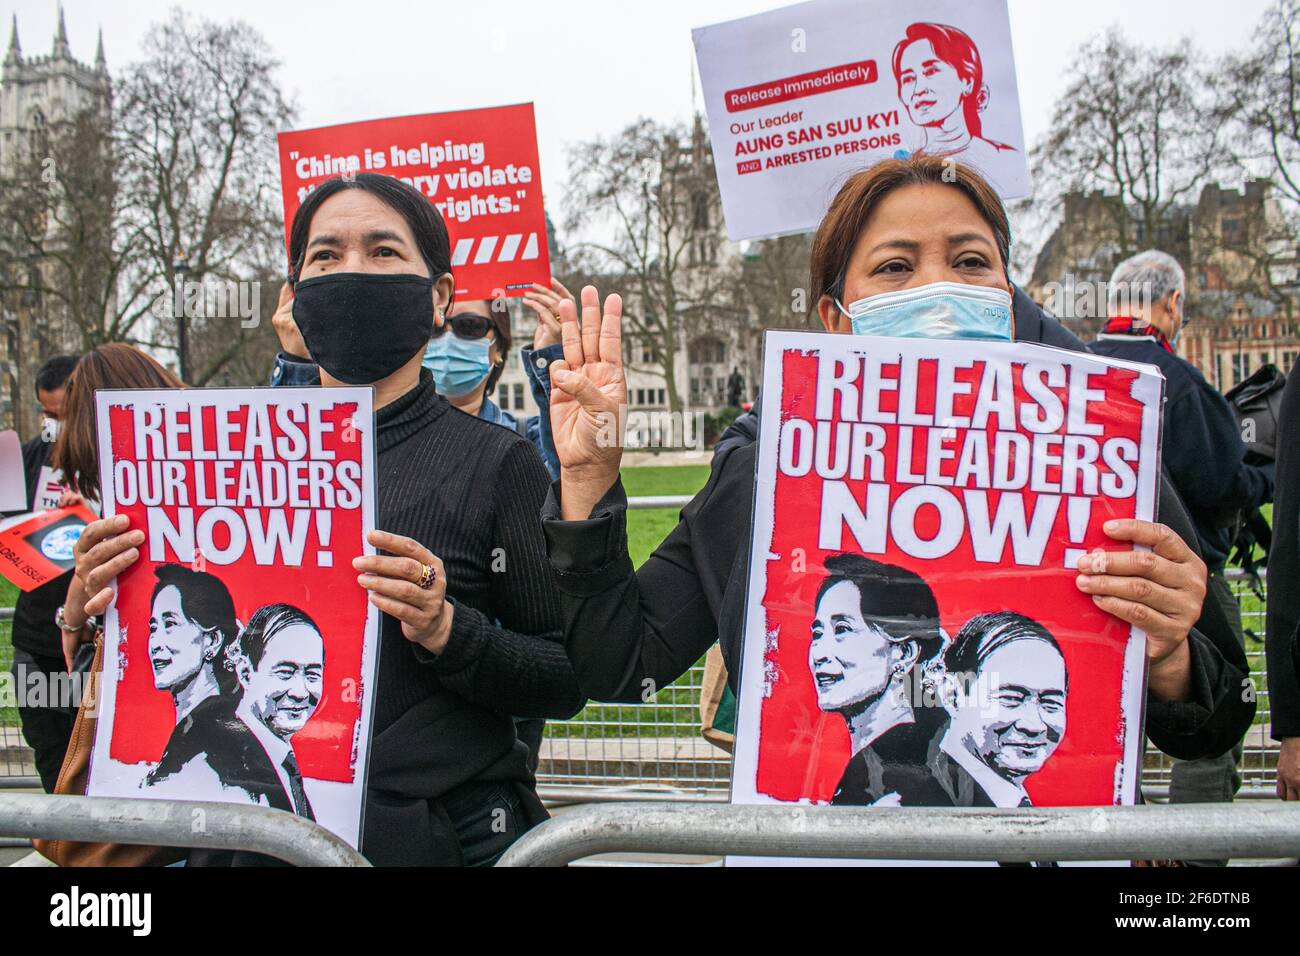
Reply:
x=969, y=438
x=237, y=478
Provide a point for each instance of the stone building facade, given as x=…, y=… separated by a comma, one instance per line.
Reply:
x=1243, y=287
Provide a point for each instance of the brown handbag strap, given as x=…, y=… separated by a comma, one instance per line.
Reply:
x=75, y=772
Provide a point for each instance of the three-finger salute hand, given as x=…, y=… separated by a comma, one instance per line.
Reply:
x=588, y=395
x=546, y=303
x=409, y=584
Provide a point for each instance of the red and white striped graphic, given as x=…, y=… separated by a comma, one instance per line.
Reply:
x=488, y=251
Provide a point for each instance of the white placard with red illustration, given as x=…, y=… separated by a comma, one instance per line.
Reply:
x=801, y=97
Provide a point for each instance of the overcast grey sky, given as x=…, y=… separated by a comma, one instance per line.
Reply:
x=590, y=66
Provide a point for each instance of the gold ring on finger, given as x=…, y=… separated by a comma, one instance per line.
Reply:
x=428, y=574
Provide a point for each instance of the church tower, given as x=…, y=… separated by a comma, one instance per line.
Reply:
x=38, y=93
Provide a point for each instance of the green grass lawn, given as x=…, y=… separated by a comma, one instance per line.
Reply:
x=646, y=529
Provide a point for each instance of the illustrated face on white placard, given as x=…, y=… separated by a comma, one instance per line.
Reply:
x=800, y=98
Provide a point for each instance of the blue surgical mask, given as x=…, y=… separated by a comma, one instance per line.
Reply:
x=458, y=365
x=940, y=310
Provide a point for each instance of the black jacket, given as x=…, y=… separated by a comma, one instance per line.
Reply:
x=214, y=734
x=34, y=630
x=1284, y=571
x=1202, y=449
x=624, y=627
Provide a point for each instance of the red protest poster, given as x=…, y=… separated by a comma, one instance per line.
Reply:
x=240, y=653
x=914, y=634
x=479, y=167
x=38, y=548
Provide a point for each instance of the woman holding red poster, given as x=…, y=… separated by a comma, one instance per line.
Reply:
x=916, y=247
x=470, y=627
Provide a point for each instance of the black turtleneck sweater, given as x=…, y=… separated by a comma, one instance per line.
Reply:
x=471, y=492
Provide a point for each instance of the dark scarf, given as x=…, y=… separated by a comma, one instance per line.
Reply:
x=1128, y=325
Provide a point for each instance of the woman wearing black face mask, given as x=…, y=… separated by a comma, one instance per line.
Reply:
x=466, y=356
x=456, y=494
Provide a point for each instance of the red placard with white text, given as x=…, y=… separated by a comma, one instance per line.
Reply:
x=36, y=548
x=479, y=167
x=914, y=631
x=240, y=653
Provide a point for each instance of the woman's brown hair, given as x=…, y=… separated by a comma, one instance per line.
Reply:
x=115, y=365
x=844, y=222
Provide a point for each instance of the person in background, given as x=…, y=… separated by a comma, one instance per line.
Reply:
x=76, y=452
x=37, y=640
x=1283, y=622
x=547, y=349
x=466, y=364
x=1203, y=456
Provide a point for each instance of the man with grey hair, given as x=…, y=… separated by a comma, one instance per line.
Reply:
x=1150, y=286
x=1203, y=454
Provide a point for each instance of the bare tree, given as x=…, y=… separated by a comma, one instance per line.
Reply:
x=1258, y=101
x=237, y=351
x=1259, y=94
x=650, y=193
x=198, y=118
x=177, y=181
x=773, y=282
x=1133, y=124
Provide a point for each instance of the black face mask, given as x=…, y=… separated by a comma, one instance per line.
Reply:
x=361, y=327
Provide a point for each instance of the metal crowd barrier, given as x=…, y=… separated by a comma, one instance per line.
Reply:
x=658, y=501
x=1190, y=831
x=215, y=826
